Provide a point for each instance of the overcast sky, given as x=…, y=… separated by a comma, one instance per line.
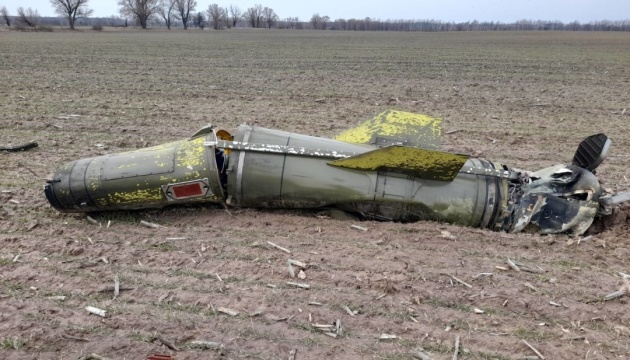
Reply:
x=445, y=10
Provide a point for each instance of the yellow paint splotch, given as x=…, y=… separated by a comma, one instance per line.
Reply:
x=392, y=124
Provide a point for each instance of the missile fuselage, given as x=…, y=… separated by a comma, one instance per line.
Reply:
x=263, y=168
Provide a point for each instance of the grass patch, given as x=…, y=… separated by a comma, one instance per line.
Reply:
x=529, y=334
x=190, y=273
x=165, y=246
x=136, y=335
x=311, y=341
x=11, y=288
x=569, y=264
x=447, y=304
x=185, y=308
x=12, y=343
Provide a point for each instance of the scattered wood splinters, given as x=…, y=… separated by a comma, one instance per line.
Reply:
x=480, y=275
x=297, y=263
x=513, y=265
x=300, y=285
x=456, y=352
x=323, y=326
x=420, y=354
x=150, y=224
x=116, y=286
x=96, y=311
x=530, y=286
x=533, y=349
x=290, y=269
x=255, y=313
x=227, y=311
x=614, y=295
x=279, y=247
x=301, y=275
x=458, y=280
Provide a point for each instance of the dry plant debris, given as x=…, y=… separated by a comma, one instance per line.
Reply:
x=143, y=96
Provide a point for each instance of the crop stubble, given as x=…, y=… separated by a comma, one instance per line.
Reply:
x=524, y=99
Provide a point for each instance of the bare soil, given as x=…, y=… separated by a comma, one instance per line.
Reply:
x=524, y=99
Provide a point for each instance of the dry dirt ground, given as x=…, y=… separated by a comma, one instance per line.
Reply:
x=524, y=99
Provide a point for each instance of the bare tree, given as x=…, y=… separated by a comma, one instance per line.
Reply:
x=140, y=10
x=236, y=13
x=28, y=17
x=71, y=9
x=292, y=22
x=5, y=15
x=319, y=22
x=184, y=9
x=315, y=20
x=269, y=16
x=254, y=15
x=166, y=10
x=199, y=20
x=225, y=18
x=325, y=21
x=217, y=15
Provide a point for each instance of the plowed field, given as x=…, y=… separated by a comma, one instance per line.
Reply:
x=521, y=98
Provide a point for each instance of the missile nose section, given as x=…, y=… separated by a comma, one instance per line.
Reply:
x=180, y=172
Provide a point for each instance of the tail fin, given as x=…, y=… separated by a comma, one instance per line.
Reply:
x=393, y=127
x=591, y=151
x=422, y=163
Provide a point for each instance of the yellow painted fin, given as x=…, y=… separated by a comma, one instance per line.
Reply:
x=423, y=163
x=393, y=127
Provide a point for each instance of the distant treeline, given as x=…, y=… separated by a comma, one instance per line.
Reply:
x=368, y=24
x=434, y=25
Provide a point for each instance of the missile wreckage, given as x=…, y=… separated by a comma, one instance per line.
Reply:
x=388, y=168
